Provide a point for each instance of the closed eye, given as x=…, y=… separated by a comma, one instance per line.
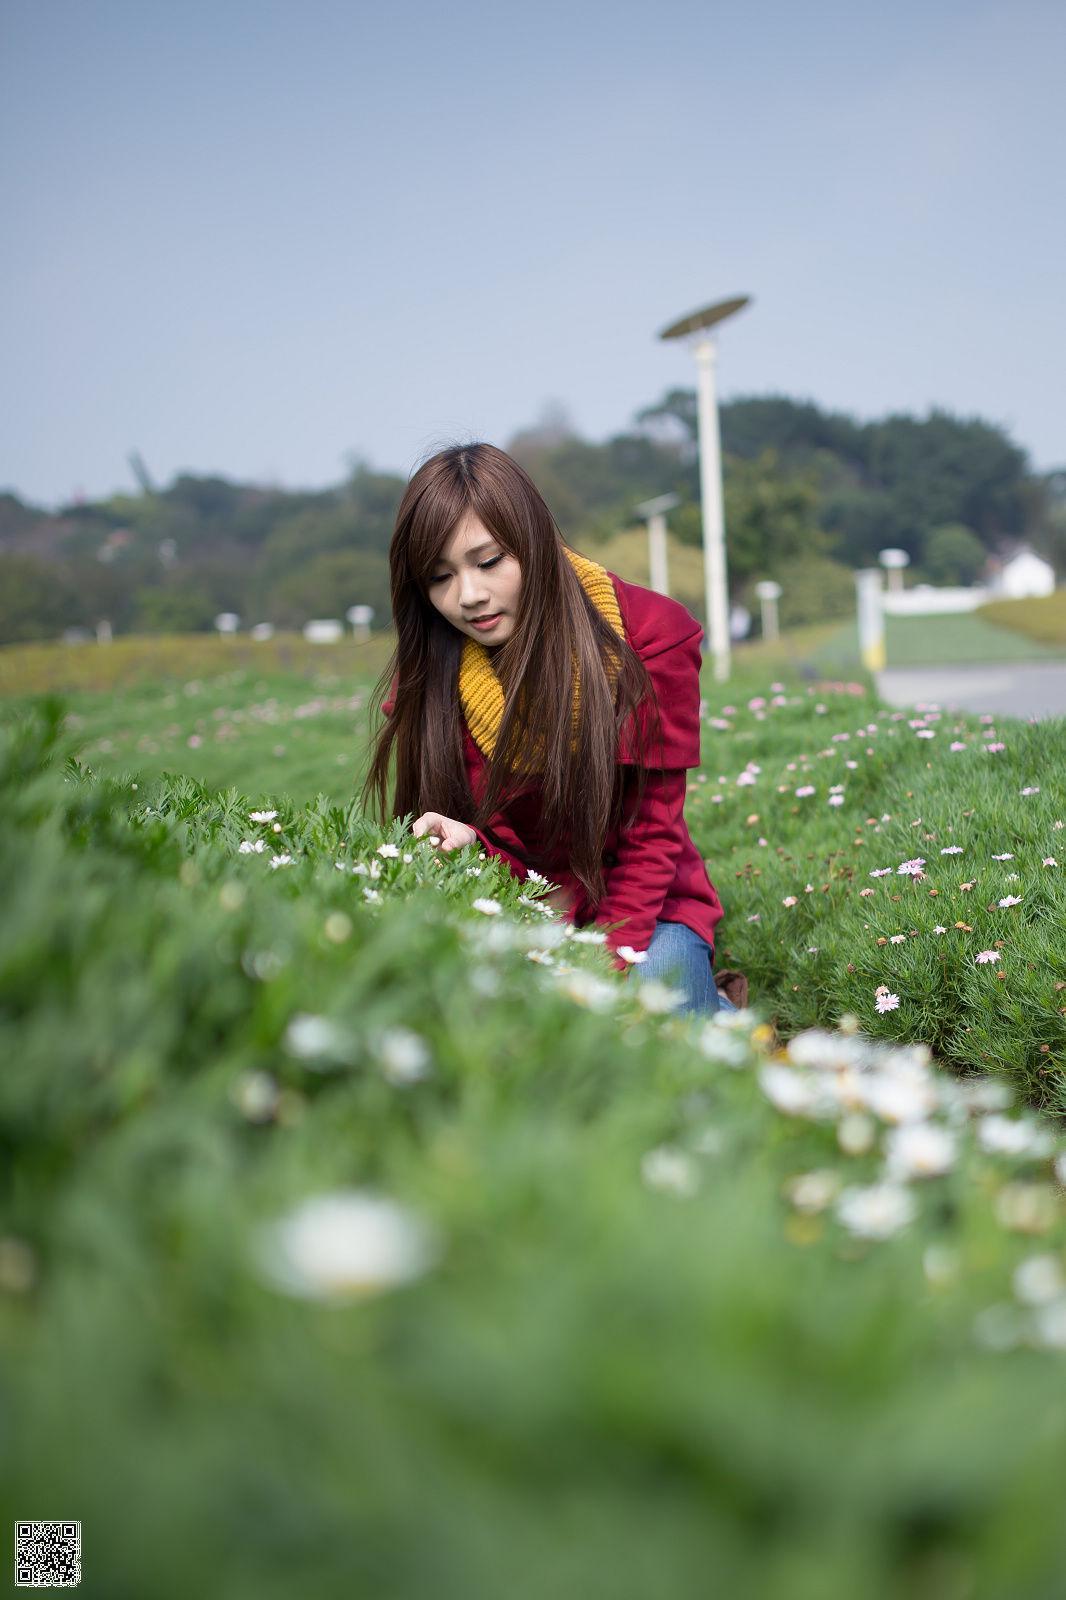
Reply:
x=442, y=575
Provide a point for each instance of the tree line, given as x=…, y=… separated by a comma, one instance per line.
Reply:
x=809, y=495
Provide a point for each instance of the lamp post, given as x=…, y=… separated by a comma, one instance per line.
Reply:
x=697, y=324
x=360, y=618
x=654, y=513
x=769, y=594
x=894, y=562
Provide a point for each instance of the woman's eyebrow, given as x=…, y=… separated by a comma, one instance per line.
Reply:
x=475, y=550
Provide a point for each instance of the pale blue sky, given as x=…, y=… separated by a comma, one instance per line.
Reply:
x=253, y=237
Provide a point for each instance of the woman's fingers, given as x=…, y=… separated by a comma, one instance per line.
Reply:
x=448, y=834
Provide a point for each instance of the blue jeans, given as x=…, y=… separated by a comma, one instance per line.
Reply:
x=678, y=956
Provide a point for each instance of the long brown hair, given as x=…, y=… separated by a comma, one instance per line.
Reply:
x=583, y=789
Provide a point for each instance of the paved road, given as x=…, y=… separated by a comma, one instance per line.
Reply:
x=1006, y=689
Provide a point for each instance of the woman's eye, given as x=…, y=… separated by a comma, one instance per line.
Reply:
x=442, y=575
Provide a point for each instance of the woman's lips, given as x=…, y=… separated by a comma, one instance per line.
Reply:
x=490, y=622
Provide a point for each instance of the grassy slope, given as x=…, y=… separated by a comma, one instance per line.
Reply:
x=1042, y=620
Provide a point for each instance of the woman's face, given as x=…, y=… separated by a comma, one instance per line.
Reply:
x=474, y=576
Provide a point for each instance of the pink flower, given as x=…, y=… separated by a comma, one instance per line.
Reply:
x=880, y=872
x=1049, y=861
x=939, y=929
x=1032, y=788
x=898, y=938
x=913, y=868
x=983, y=957
x=836, y=799
x=804, y=790
x=887, y=1002
x=789, y=900
x=754, y=917
x=994, y=749
x=926, y=733
x=1006, y=856
x=1011, y=900
x=952, y=850
x=957, y=744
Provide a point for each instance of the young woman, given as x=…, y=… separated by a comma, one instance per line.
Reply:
x=501, y=627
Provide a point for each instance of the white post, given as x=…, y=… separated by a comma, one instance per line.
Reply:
x=657, y=552
x=894, y=562
x=714, y=564
x=769, y=594
x=871, y=618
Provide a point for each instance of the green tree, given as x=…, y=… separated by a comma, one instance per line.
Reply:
x=954, y=554
x=813, y=589
x=770, y=517
x=328, y=585
x=35, y=599
x=942, y=469
x=860, y=522
x=178, y=606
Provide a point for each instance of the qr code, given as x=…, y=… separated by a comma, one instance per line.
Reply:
x=47, y=1554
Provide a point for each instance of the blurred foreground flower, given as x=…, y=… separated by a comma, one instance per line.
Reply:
x=344, y=1245
x=404, y=1055
x=671, y=1170
x=877, y=1211
x=919, y=1150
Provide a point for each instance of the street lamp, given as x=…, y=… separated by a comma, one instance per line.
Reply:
x=654, y=513
x=360, y=618
x=696, y=324
x=769, y=594
x=894, y=562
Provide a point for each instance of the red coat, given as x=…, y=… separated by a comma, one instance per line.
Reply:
x=653, y=871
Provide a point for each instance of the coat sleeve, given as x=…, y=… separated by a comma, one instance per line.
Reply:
x=647, y=852
x=500, y=840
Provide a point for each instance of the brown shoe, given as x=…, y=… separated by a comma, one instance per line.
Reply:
x=734, y=985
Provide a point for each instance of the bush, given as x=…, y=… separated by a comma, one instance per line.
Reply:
x=954, y=555
x=814, y=589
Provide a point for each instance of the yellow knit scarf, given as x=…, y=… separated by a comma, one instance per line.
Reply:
x=481, y=691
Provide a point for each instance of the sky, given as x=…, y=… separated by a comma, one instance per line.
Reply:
x=267, y=240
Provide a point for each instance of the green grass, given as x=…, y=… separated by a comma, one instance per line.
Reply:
x=956, y=641
x=1043, y=620
x=282, y=716
x=636, y=1355
x=905, y=795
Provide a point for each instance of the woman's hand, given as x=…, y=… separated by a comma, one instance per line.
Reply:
x=452, y=835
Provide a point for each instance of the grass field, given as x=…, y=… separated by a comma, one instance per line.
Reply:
x=419, y=1253
x=957, y=640
x=1042, y=620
